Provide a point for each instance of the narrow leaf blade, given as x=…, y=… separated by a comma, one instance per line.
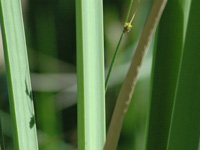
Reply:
x=90, y=62
x=166, y=63
x=17, y=71
x=185, y=126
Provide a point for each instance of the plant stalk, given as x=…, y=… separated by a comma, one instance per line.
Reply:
x=128, y=26
x=128, y=86
x=113, y=61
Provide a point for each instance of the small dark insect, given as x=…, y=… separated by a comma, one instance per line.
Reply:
x=32, y=122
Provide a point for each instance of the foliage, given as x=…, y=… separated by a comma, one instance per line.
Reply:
x=166, y=97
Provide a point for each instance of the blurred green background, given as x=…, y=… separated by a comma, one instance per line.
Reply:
x=51, y=41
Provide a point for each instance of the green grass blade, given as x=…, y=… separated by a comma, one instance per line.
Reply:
x=186, y=7
x=165, y=69
x=17, y=71
x=90, y=64
x=48, y=118
x=185, y=126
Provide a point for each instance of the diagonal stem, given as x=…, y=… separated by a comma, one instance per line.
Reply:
x=128, y=86
x=117, y=48
x=113, y=61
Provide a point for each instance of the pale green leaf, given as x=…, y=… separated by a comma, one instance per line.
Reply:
x=17, y=71
x=90, y=72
